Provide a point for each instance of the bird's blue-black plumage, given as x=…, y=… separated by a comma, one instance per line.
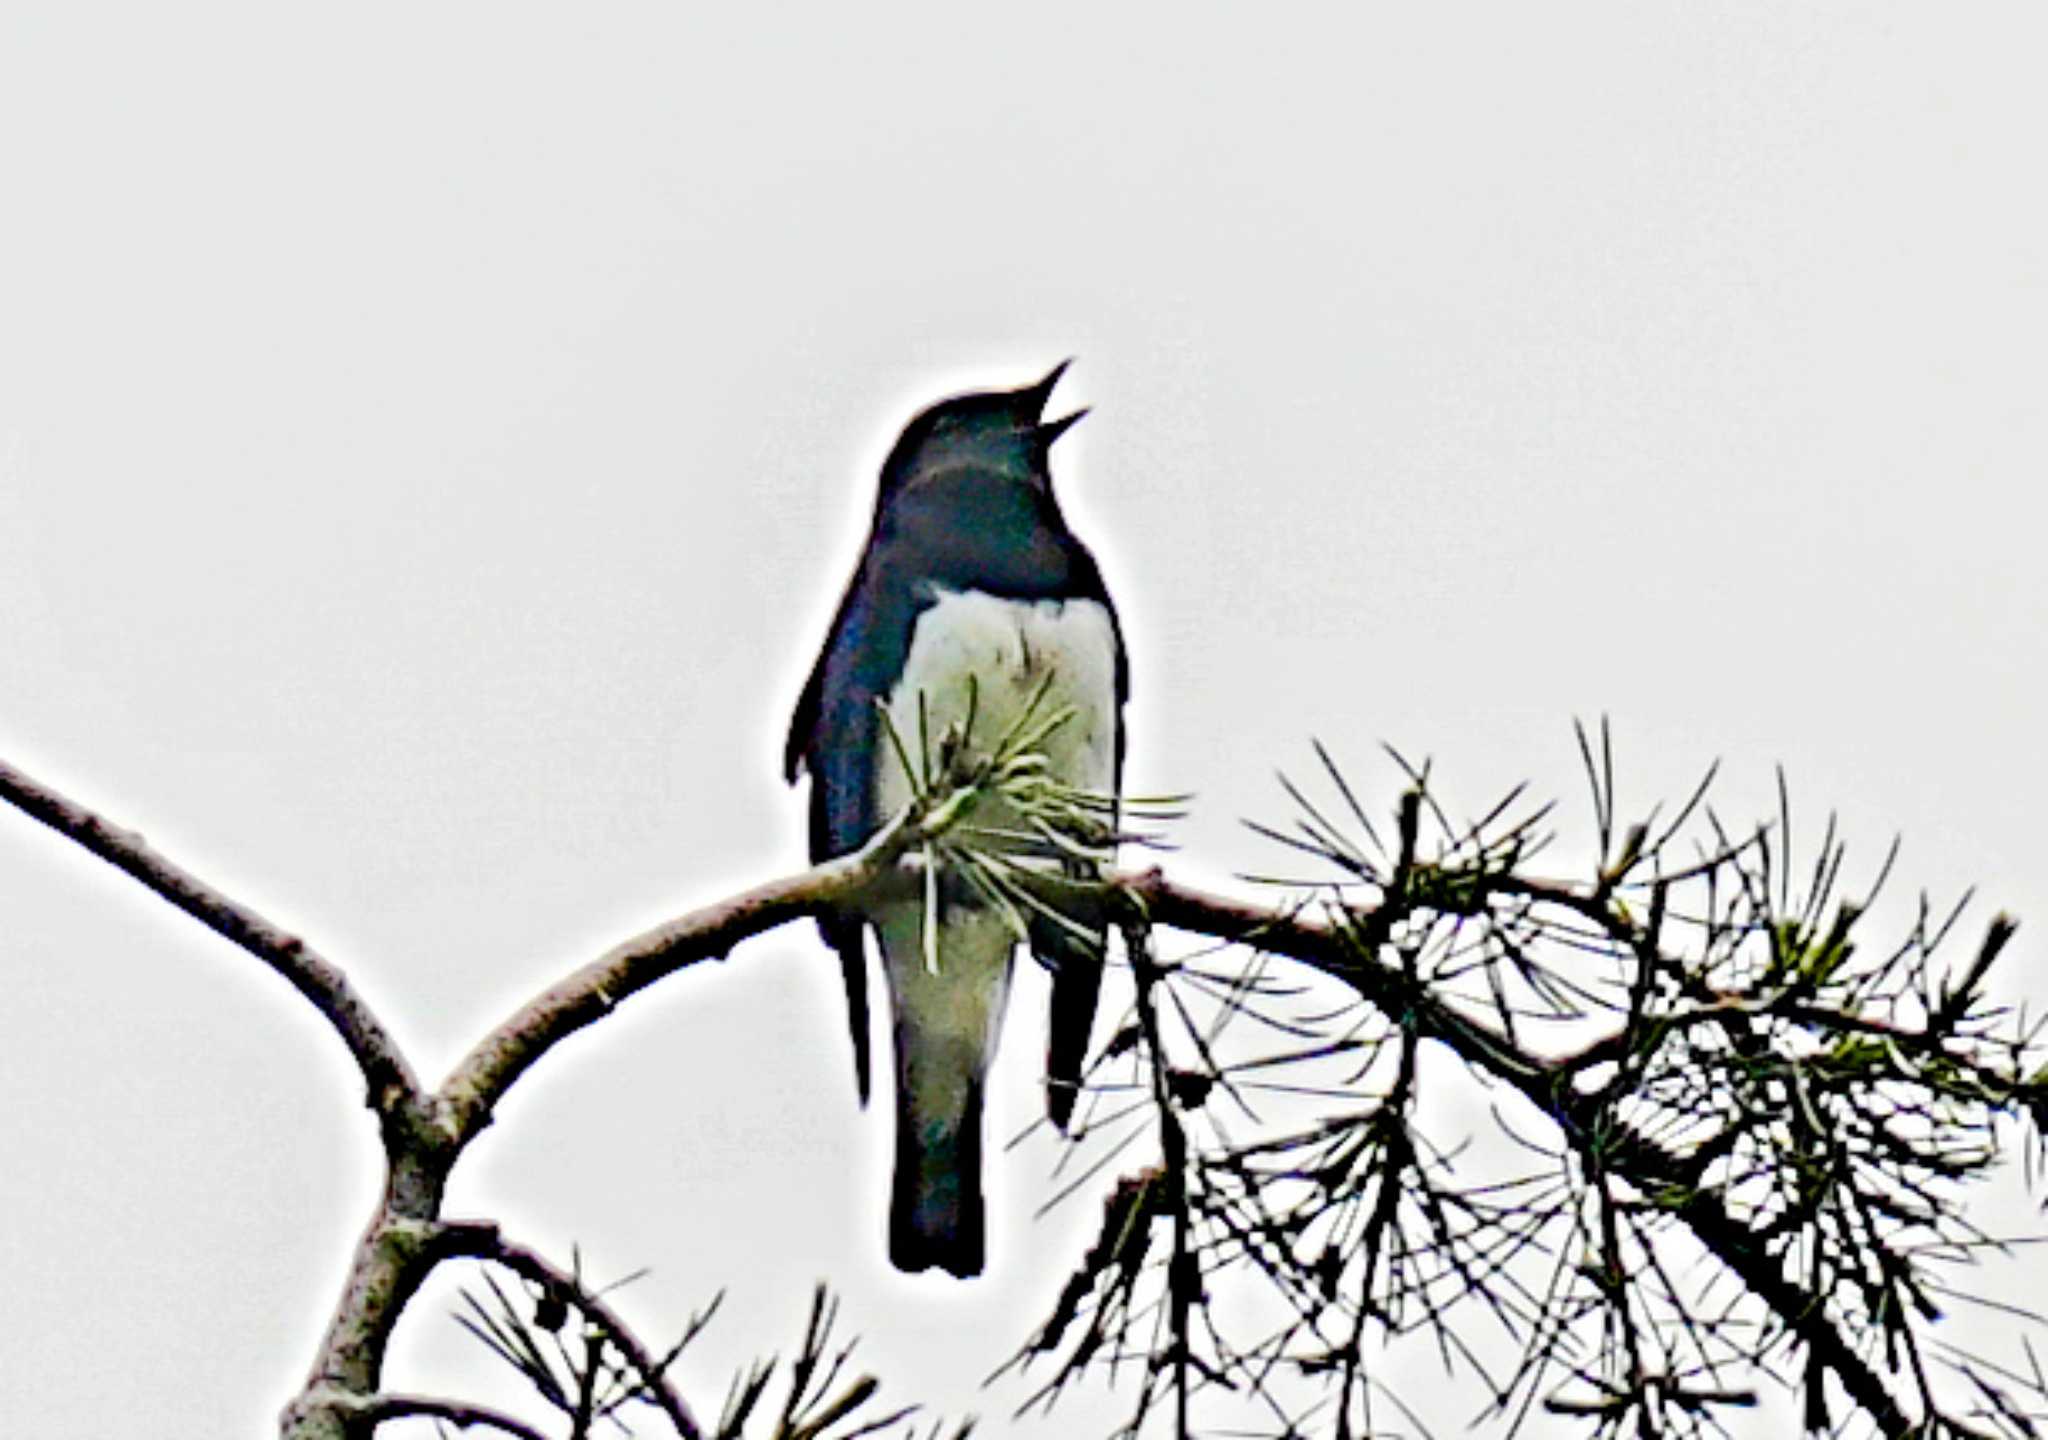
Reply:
x=965, y=505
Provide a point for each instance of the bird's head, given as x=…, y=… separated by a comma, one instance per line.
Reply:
x=1002, y=432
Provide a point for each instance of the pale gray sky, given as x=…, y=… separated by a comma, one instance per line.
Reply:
x=432, y=440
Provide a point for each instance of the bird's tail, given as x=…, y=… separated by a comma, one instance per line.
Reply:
x=948, y=999
x=936, y=1216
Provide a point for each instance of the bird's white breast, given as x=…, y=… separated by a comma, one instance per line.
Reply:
x=1011, y=648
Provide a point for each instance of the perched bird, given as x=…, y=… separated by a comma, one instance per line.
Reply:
x=971, y=599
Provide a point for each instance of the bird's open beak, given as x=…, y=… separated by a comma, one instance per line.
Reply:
x=1051, y=430
x=1035, y=396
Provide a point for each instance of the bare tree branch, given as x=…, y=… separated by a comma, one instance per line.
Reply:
x=490, y=1069
x=425, y=1136
x=389, y=1078
x=373, y=1410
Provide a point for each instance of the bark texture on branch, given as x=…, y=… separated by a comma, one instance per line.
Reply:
x=389, y=1078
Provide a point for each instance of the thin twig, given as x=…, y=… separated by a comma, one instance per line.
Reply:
x=480, y=1240
x=371, y=1411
